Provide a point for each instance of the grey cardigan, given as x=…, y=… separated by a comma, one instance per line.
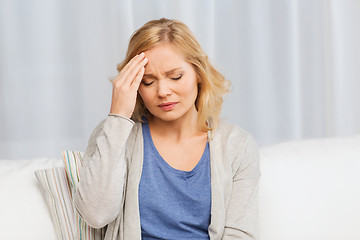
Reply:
x=107, y=195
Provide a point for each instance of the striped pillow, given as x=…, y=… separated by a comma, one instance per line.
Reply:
x=59, y=185
x=57, y=194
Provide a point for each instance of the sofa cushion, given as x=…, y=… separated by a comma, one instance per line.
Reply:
x=310, y=189
x=23, y=212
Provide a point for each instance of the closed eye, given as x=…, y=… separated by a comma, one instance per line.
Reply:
x=147, y=84
x=177, y=77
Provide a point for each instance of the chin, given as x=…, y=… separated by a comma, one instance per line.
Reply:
x=167, y=116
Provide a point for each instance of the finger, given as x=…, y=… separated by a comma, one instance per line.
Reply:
x=138, y=78
x=133, y=72
x=133, y=62
x=125, y=70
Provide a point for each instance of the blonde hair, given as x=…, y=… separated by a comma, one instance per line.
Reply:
x=212, y=85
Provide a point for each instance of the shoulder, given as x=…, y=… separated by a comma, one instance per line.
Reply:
x=233, y=135
x=235, y=144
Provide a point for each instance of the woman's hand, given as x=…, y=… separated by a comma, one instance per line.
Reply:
x=125, y=86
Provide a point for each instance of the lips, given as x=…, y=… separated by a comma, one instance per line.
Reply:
x=168, y=106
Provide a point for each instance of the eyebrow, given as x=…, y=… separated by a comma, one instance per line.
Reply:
x=166, y=73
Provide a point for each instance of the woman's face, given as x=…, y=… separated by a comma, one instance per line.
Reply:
x=169, y=86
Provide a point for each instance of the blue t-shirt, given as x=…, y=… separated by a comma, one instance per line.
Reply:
x=173, y=204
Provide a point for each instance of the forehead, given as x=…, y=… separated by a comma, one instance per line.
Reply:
x=164, y=57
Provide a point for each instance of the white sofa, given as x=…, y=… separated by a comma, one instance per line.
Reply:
x=309, y=190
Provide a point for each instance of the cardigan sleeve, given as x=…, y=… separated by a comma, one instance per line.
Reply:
x=99, y=196
x=242, y=214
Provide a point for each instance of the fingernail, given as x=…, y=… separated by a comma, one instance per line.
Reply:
x=142, y=54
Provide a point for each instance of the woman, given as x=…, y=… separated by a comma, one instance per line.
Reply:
x=162, y=165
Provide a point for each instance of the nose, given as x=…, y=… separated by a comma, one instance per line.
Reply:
x=163, y=88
